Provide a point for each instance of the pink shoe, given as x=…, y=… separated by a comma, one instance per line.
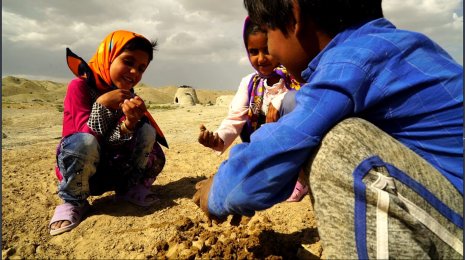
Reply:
x=148, y=182
x=139, y=195
x=69, y=212
x=299, y=192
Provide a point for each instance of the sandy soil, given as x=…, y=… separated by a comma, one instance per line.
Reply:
x=174, y=228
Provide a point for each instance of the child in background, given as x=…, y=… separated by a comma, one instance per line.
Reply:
x=262, y=97
x=109, y=140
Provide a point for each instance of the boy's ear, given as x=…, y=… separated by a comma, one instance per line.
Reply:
x=297, y=28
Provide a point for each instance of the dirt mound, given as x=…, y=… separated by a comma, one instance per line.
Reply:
x=224, y=101
x=153, y=95
x=14, y=86
x=210, y=96
x=20, y=90
x=253, y=240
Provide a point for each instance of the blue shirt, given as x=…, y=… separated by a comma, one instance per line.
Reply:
x=398, y=80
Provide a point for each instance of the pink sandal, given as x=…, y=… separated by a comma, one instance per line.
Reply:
x=69, y=212
x=300, y=190
x=138, y=195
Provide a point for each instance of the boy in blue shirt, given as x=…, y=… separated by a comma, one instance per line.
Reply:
x=378, y=124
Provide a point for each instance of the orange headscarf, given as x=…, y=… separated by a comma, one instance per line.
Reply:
x=97, y=72
x=106, y=53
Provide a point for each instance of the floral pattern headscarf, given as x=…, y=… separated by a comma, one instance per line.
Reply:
x=256, y=88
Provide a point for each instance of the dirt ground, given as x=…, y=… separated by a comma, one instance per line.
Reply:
x=175, y=228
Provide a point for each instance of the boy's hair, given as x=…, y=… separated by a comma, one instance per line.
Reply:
x=330, y=16
x=252, y=29
x=140, y=43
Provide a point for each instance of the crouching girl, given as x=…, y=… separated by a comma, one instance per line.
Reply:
x=110, y=142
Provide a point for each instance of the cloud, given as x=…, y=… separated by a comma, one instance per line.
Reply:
x=200, y=41
x=185, y=31
x=441, y=20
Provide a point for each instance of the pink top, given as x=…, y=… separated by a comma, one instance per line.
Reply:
x=232, y=125
x=77, y=107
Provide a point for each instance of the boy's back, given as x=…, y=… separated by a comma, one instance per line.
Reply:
x=402, y=82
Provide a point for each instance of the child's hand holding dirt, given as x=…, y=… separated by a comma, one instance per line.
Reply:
x=210, y=139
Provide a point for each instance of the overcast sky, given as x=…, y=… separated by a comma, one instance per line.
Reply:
x=200, y=42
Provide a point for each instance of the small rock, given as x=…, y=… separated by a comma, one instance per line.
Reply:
x=28, y=250
x=174, y=250
x=187, y=254
x=8, y=252
x=210, y=241
x=233, y=236
x=221, y=238
x=40, y=250
x=309, y=251
x=199, y=244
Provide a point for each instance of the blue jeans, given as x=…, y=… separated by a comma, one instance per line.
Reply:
x=89, y=168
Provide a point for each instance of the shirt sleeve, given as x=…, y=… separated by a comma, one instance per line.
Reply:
x=261, y=173
x=77, y=107
x=101, y=119
x=232, y=125
x=117, y=137
x=105, y=122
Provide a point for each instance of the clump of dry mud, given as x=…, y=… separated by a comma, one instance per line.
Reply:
x=252, y=240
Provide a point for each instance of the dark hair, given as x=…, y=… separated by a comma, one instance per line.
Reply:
x=252, y=28
x=140, y=43
x=330, y=16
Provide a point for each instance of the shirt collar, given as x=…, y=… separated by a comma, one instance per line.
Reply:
x=340, y=38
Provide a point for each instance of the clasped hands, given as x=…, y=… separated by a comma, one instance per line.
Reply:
x=133, y=107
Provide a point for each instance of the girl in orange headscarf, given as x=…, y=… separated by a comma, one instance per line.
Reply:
x=110, y=142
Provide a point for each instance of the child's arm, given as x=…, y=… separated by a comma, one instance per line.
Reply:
x=106, y=113
x=232, y=125
x=77, y=108
x=134, y=110
x=114, y=99
x=210, y=139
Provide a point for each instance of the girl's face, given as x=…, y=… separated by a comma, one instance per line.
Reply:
x=261, y=60
x=127, y=69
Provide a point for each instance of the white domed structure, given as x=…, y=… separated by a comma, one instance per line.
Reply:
x=186, y=96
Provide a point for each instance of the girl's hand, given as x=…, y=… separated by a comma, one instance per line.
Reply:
x=210, y=139
x=113, y=99
x=134, y=109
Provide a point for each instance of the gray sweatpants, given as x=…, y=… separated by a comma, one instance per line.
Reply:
x=375, y=198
